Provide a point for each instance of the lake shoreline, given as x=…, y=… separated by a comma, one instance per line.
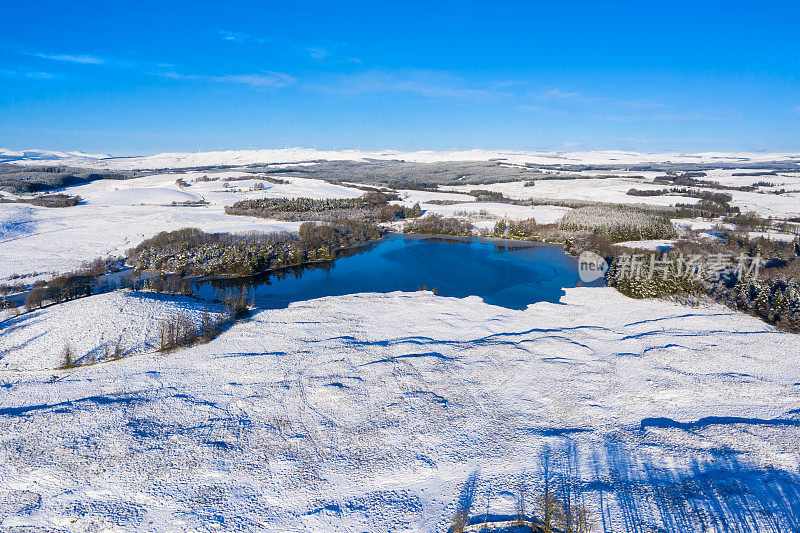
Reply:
x=507, y=272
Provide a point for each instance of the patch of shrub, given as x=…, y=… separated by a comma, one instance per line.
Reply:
x=50, y=200
x=619, y=224
x=180, y=331
x=76, y=284
x=447, y=202
x=483, y=195
x=771, y=292
x=648, y=192
x=757, y=173
x=438, y=225
x=41, y=178
x=372, y=205
x=190, y=251
x=521, y=229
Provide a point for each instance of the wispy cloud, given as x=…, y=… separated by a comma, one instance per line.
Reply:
x=319, y=53
x=69, y=58
x=659, y=116
x=797, y=110
x=426, y=83
x=545, y=110
x=104, y=61
x=556, y=101
x=241, y=37
x=330, y=52
x=28, y=74
x=557, y=94
x=641, y=104
x=264, y=79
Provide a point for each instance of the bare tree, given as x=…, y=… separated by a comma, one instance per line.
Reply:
x=549, y=508
x=521, y=503
x=551, y=511
x=460, y=519
x=582, y=520
x=34, y=298
x=118, y=348
x=67, y=357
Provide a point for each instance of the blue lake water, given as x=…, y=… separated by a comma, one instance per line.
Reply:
x=504, y=273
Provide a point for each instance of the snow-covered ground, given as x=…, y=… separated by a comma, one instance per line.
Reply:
x=614, y=190
x=372, y=412
x=37, y=340
x=293, y=155
x=543, y=214
x=611, y=190
x=326, y=416
x=36, y=155
x=657, y=245
x=117, y=215
x=700, y=224
x=41, y=240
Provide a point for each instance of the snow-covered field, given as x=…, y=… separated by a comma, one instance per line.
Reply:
x=373, y=412
x=327, y=417
x=294, y=155
x=118, y=215
x=613, y=190
x=658, y=245
x=543, y=214
x=36, y=340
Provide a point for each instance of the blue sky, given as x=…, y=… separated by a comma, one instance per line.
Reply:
x=147, y=77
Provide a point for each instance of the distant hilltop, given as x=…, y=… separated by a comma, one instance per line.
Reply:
x=607, y=158
x=45, y=155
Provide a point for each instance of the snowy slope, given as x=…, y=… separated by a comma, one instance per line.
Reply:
x=614, y=190
x=295, y=155
x=326, y=416
x=35, y=155
x=290, y=155
x=36, y=340
x=117, y=215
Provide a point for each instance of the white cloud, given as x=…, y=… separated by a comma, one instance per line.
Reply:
x=330, y=51
x=262, y=79
x=570, y=103
x=557, y=94
x=641, y=104
x=319, y=53
x=87, y=59
x=69, y=58
x=27, y=74
x=426, y=83
x=241, y=37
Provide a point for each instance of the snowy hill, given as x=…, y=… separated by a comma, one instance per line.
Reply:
x=297, y=155
x=326, y=416
x=294, y=155
x=34, y=155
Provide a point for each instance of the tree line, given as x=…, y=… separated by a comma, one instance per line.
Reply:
x=372, y=205
x=192, y=252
